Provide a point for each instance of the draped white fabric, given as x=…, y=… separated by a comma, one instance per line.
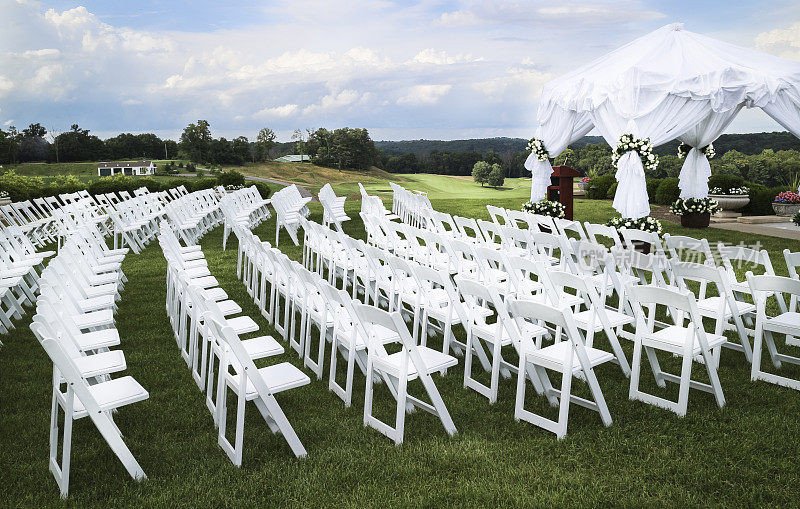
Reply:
x=696, y=170
x=661, y=124
x=556, y=133
x=664, y=84
x=785, y=109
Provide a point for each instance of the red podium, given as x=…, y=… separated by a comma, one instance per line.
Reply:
x=560, y=188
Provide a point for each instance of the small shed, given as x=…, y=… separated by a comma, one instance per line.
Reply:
x=294, y=158
x=129, y=168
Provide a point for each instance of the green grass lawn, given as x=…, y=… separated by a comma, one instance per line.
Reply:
x=744, y=454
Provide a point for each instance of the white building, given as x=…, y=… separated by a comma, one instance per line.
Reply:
x=126, y=168
x=294, y=158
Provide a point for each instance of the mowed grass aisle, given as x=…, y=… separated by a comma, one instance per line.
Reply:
x=744, y=454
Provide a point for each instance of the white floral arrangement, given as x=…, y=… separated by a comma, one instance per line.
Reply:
x=3, y=195
x=545, y=208
x=630, y=143
x=647, y=224
x=233, y=188
x=708, y=150
x=730, y=190
x=536, y=146
x=683, y=206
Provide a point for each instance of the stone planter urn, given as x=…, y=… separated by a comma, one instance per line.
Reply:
x=584, y=186
x=5, y=201
x=730, y=203
x=785, y=209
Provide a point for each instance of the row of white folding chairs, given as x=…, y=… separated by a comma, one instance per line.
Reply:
x=332, y=207
x=243, y=206
x=20, y=268
x=442, y=303
x=373, y=205
x=194, y=214
x=412, y=207
x=75, y=324
x=356, y=332
x=209, y=338
x=731, y=308
x=289, y=207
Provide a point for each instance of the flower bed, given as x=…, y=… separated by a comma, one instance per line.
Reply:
x=544, y=208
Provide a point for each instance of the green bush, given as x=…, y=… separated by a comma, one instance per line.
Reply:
x=21, y=187
x=263, y=189
x=652, y=188
x=612, y=191
x=151, y=184
x=177, y=182
x=599, y=187
x=190, y=167
x=230, y=178
x=667, y=191
x=202, y=183
x=64, y=184
x=761, y=198
x=725, y=181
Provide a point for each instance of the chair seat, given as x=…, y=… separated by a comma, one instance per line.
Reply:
x=280, y=377
x=262, y=346
x=583, y=319
x=674, y=337
x=379, y=333
x=554, y=356
x=204, y=282
x=97, y=339
x=96, y=303
x=197, y=272
x=215, y=294
x=788, y=322
x=102, y=363
x=229, y=307
x=98, y=290
x=710, y=307
x=242, y=324
x=432, y=360
x=113, y=394
x=94, y=319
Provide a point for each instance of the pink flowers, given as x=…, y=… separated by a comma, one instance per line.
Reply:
x=787, y=197
x=586, y=179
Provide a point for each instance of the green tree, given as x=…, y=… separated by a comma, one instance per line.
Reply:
x=480, y=172
x=264, y=143
x=196, y=141
x=496, y=176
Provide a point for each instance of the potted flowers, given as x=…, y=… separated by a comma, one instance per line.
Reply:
x=544, y=208
x=647, y=224
x=694, y=212
x=730, y=199
x=584, y=182
x=4, y=198
x=786, y=204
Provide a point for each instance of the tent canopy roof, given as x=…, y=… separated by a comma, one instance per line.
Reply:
x=671, y=60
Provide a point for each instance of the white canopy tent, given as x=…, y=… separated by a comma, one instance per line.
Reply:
x=669, y=84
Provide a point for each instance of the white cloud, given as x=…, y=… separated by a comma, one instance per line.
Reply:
x=431, y=56
x=784, y=42
x=424, y=94
x=6, y=85
x=460, y=18
x=276, y=112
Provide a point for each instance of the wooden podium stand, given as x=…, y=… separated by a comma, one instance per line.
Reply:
x=560, y=188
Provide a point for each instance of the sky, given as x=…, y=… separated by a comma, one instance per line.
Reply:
x=430, y=69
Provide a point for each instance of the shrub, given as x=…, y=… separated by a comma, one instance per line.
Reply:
x=230, y=178
x=263, y=189
x=725, y=181
x=599, y=188
x=21, y=187
x=667, y=191
x=190, y=167
x=761, y=199
x=151, y=184
x=64, y=184
x=202, y=183
x=612, y=191
x=652, y=188
x=177, y=182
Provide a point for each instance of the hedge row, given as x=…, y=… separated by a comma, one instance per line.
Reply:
x=665, y=191
x=21, y=188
